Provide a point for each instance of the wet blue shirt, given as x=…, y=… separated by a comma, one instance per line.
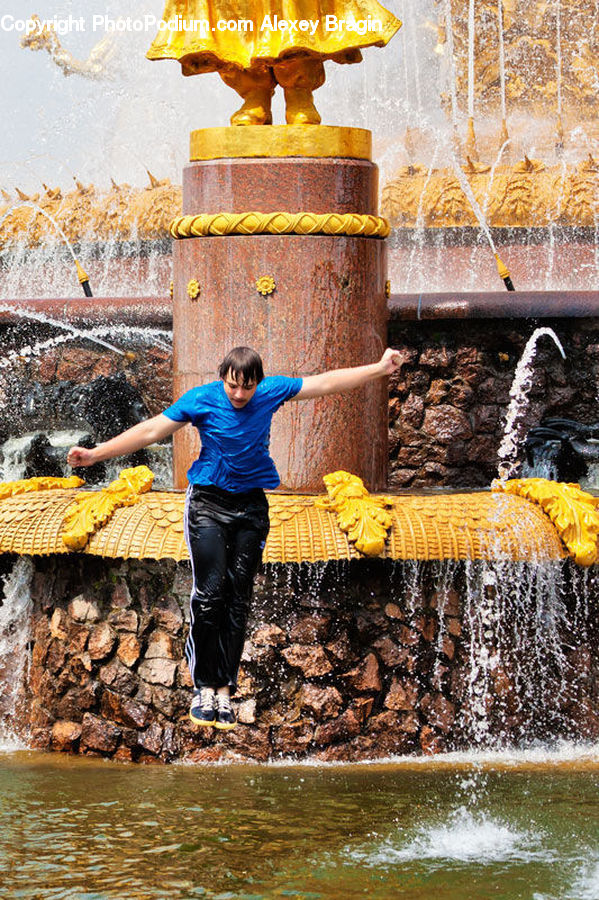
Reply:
x=234, y=454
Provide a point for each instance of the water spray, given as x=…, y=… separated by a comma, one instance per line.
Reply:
x=465, y=185
x=27, y=313
x=81, y=274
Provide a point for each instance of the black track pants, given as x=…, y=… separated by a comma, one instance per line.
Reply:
x=225, y=534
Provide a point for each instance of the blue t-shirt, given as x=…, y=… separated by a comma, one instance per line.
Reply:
x=234, y=454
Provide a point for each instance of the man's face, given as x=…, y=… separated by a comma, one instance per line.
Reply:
x=238, y=393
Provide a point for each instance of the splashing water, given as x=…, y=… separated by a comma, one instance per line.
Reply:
x=558, y=56
x=586, y=886
x=15, y=625
x=157, y=337
x=55, y=323
x=464, y=837
x=519, y=391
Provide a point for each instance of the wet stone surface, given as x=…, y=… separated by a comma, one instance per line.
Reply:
x=379, y=670
x=448, y=404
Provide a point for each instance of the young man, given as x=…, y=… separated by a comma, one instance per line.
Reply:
x=226, y=514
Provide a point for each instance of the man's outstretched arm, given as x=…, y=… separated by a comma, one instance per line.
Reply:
x=142, y=434
x=339, y=380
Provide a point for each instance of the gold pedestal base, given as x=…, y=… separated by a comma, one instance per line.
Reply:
x=280, y=141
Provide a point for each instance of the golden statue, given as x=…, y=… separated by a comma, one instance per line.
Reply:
x=255, y=46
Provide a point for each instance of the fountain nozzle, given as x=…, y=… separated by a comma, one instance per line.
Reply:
x=504, y=274
x=83, y=279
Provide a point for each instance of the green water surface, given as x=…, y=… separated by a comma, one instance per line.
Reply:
x=88, y=830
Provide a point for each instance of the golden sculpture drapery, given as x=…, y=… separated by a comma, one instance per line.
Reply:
x=256, y=53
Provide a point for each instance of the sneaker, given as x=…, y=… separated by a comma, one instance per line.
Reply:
x=203, y=710
x=225, y=717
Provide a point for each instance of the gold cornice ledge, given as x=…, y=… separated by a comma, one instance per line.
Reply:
x=280, y=141
x=254, y=222
x=304, y=528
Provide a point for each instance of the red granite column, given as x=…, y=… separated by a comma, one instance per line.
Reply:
x=328, y=309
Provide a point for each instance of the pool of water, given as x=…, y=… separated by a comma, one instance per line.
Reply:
x=499, y=826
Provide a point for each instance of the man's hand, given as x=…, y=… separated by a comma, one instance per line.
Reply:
x=339, y=380
x=80, y=456
x=391, y=361
x=141, y=435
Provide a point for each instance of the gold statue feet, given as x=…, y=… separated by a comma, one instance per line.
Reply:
x=298, y=76
x=255, y=110
x=255, y=87
x=299, y=107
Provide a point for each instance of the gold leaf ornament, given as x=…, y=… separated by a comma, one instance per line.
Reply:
x=265, y=285
x=362, y=517
x=92, y=509
x=572, y=511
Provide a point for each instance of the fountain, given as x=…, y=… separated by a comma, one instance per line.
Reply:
x=441, y=632
x=393, y=623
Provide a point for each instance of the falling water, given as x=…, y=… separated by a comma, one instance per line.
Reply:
x=558, y=51
x=549, y=276
x=451, y=65
x=419, y=233
x=15, y=625
x=406, y=71
x=471, y=37
x=521, y=385
x=29, y=204
x=501, y=59
x=513, y=615
x=415, y=62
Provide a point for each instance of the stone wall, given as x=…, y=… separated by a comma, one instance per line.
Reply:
x=355, y=662
x=448, y=405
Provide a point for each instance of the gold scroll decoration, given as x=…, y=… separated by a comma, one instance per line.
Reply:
x=91, y=510
x=39, y=483
x=363, y=518
x=220, y=224
x=572, y=511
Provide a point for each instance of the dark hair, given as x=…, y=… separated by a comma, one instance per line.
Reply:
x=244, y=364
